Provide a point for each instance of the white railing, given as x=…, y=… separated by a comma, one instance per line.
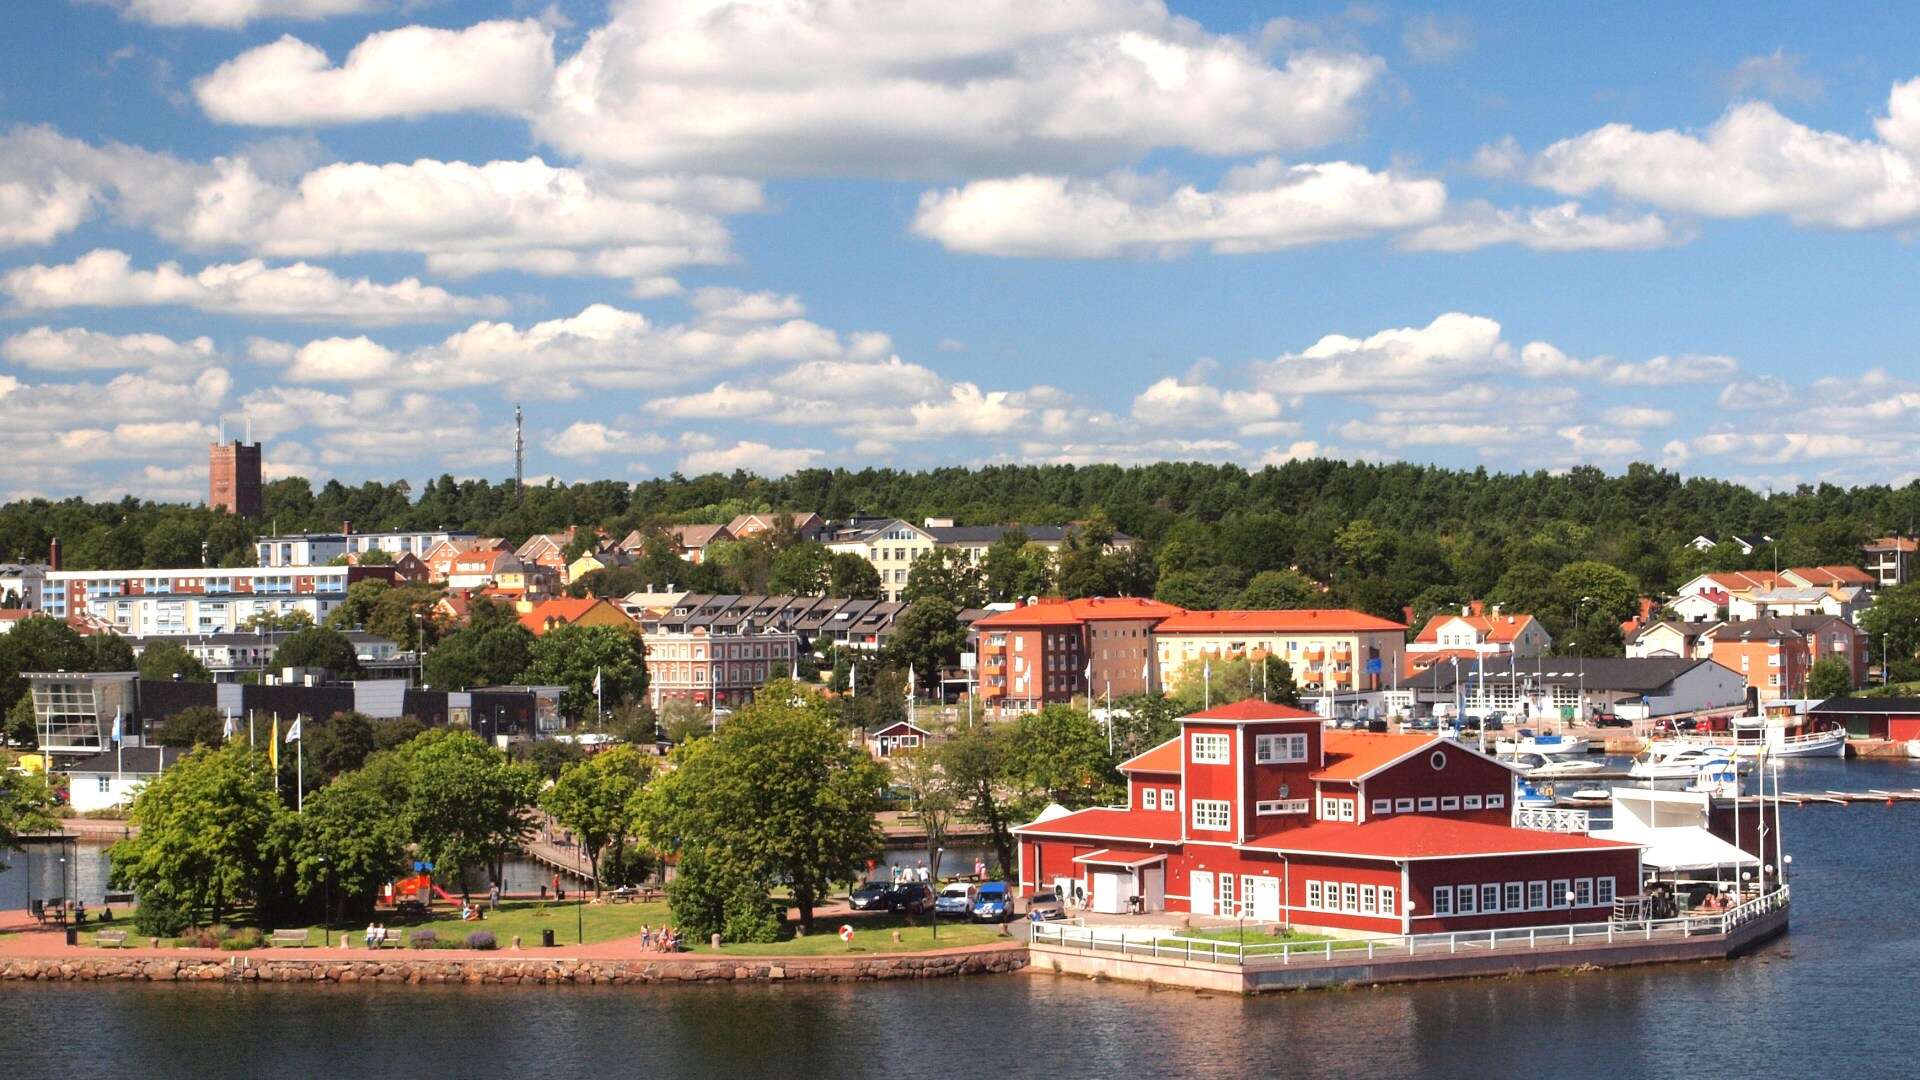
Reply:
x=1173, y=948
x=1552, y=819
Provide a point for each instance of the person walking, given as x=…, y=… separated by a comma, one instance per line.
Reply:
x=493, y=897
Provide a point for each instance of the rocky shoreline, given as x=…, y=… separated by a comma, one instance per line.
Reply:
x=514, y=970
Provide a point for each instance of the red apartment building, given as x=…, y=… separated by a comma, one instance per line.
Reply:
x=1777, y=653
x=1039, y=654
x=1256, y=811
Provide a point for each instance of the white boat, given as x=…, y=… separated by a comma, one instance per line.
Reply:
x=1541, y=767
x=1527, y=741
x=1666, y=761
x=1530, y=798
x=1913, y=748
x=1721, y=780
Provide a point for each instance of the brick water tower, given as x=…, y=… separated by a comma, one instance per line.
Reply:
x=233, y=478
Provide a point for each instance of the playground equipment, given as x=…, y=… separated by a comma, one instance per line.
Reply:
x=419, y=887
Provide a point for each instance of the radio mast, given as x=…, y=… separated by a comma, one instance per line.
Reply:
x=519, y=456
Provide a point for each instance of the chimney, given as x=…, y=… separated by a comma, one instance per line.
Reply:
x=1406, y=613
x=53, y=554
x=1478, y=608
x=346, y=528
x=1465, y=610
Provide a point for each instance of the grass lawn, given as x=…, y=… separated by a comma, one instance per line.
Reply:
x=1252, y=937
x=601, y=922
x=872, y=934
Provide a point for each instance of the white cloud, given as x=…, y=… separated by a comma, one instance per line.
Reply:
x=50, y=184
x=494, y=66
x=1453, y=346
x=1298, y=450
x=928, y=88
x=106, y=278
x=1752, y=161
x=355, y=359
x=1758, y=392
x=1638, y=416
x=127, y=398
x=1775, y=448
x=1268, y=206
x=1564, y=227
x=1193, y=403
x=720, y=403
x=1430, y=38
x=591, y=439
x=1780, y=76
x=727, y=305
x=755, y=457
x=75, y=349
x=230, y=14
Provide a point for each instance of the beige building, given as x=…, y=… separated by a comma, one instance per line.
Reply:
x=1328, y=649
x=890, y=544
x=716, y=669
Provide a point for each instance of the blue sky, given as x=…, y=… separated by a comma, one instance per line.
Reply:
x=765, y=235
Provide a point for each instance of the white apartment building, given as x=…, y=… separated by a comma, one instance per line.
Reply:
x=142, y=603
x=318, y=549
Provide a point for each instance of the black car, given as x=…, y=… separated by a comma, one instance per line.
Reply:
x=873, y=896
x=913, y=897
x=1611, y=720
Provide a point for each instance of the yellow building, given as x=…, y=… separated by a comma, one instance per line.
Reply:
x=1328, y=649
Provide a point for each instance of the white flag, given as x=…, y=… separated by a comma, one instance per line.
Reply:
x=1146, y=669
x=1206, y=670
x=1089, y=676
x=116, y=725
x=293, y=730
x=596, y=680
x=226, y=730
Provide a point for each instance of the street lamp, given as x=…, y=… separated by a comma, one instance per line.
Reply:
x=938, y=853
x=1580, y=706
x=326, y=905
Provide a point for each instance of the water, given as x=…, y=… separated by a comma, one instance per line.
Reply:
x=1829, y=1000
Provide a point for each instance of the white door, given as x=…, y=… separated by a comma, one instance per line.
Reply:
x=1266, y=899
x=1200, y=892
x=1110, y=891
x=1155, y=889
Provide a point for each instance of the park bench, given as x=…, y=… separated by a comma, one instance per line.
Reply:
x=295, y=939
x=110, y=939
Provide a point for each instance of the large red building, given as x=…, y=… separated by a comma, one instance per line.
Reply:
x=1256, y=810
x=1048, y=652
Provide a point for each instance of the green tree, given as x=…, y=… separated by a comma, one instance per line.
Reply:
x=1830, y=677
x=164, y=659
x=714, y=895
x=318, y=647
x=203, y=832
x=109, y=652
x=1364, y=547
x=927, y=637
x=465, y=803
x=1276, y=682
x=947, y=574
x=573, y=656
x=38, y=644
x=1059, y=755
x=597, y=799
x=1892, y=623
x=271, y=621
x=777, y=794
x=348, y=841
x=683, y=721
x=802, y=570
x=1281, y=590
x=974, y=763
x=1142, y=722
x=26, y=806
x=21, y=729
x=931, y=797
x=196, y=725
x=1602, y=596
x=339, y=746
x=1015, y=567
x=850, y=577
x=550, y=756
x=491, y=650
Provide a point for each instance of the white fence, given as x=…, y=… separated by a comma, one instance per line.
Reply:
x=1119, y=942
x=1552, y=819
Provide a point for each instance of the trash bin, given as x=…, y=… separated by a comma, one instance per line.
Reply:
x=546, y=938
x=73, y=935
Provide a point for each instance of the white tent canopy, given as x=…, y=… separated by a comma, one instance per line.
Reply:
x=1687, y=847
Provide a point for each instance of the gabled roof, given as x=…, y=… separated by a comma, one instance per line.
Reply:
x=1743, y=580
x=1420, y=836
x=1249, y=711
x=1493, y=628
x=1302, y=621
x=1893, y=543
x=1774, y=626
x=698, y=536
x=1164, y=758
x=1831, y=575
x=1073, y=612
x=143, y=760
x=898, y=725
x=563, y=610
x=1356, y=755
x=1110, y=823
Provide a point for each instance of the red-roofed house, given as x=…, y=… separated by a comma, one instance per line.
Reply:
x=569, y=611
x=1048, y=652
x=1474, y=632
x=1827, y=577
x=1327, y=648
x=1256, y=811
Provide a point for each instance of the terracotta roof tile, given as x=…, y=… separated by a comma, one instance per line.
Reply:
x=1302, y=621
x=1419, y=836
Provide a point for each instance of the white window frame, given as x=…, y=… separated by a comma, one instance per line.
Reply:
x=1428, y=804
x=104, y=784
x=1382, y=806
x=1490, y=898
x=1388, y=901
x=1443, y=900
x=1557, y=894
x=1279, y=749
x=1313, y=895
x=1583, y=892
x=1470, y=802
x=1212, y=815
x=1349, y=896
x=1516, y=896
x=1369, y=897
x=1168, y=800
x=1348, y=808
x=1149, y=798
x=1328, y=811
x=1603, y=893
x=1496, y=802
x=1450, y=802
x=1537, y=896
x=1210, y=748
x=1274, y=807
x=1403, y=806
x=1466, y=899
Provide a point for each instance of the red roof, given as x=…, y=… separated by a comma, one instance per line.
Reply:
x=1164, y=758
x=1304, y=621
x=1248, y=710
x=1742, y=580
x=1420, y=836
x=1071, y=612
x=1832, y=575
x=1351, y=755
x=561, y=610
x=1108, y=823
x=1495, y=628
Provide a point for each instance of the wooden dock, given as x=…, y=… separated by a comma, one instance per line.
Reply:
x=1848, y=798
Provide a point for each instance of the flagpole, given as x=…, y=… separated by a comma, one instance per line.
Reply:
x=299, y=773
x=1109, y=717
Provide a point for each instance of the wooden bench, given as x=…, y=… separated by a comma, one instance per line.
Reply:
x=292, y=939
x=110, y=939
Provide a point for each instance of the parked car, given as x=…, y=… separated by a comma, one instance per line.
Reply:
x=1045, y=907
x=1607, y=719
x=871, y=897
x=1423, y=723
x=912, y=898
x=993, y=902
x=955, y=899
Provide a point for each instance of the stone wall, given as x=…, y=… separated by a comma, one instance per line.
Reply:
x=512, y=970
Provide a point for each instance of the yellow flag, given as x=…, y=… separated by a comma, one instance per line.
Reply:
x=273, y=746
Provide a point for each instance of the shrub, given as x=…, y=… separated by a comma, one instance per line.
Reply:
x=423, y=939
x=481, y=939
x=246, y=937
x=159, y=916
